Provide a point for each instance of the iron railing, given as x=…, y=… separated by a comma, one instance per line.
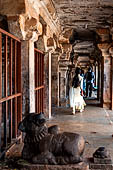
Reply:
x=39, y=81
x=10, y=88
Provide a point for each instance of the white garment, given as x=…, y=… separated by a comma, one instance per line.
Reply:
x=71, y=96
x=78, y=101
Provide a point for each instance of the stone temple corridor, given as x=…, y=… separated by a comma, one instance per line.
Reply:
x=42, y=43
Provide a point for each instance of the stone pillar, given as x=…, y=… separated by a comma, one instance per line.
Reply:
x=58, y=87
x=27, y=29
x=54, y=79
x=31, y=77
x=99, y=81
x=106, y=75
x=25, y=76
x=111, y=52
x=46, y=84
x=28, y=93
x=49, y=84
x=63, y=71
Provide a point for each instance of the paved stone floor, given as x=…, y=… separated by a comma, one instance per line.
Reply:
x=94, y=123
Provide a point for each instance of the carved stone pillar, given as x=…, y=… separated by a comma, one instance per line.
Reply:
x=28, y=93
x=105, y=75
x=98, y=83
x=63, y=71
x=54, y=83
x=25, y=76
x=49, y=46
x=46, y=84
x=111, y=52
x=28, y=77
x=27, y=36
x=50, y=55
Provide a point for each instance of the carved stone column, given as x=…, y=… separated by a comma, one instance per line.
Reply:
x=63, y=71
x=25, y=76
x=27, y=29
x=49, y=45
x=111, y=52
x=47, y=83
x=105, y=75
x=54, y=83
x=99, y=81
x=63, y=68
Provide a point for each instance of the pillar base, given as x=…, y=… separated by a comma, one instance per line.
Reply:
x=106, y=104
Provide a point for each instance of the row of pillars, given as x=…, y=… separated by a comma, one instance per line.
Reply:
x=104, y=80
x=28, y=79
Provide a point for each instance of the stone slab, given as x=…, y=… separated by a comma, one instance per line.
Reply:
x=80, y=166
x=93, y=166
x=102, y=161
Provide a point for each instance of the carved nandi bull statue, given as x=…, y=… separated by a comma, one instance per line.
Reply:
x=41, y=147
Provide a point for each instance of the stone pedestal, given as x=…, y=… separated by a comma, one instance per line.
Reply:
x=101, y=160
x=80, y=166
x=100, y=166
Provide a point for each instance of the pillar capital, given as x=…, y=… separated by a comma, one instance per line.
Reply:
x=111, y=51
x=25, y=27
x=64, y=63
x=103, y=33
x=92, y=61
x=63, y=69
x=104, y=47
x=111, y=32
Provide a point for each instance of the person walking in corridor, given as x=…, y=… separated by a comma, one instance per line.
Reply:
x=89, y=82
x=78, y=101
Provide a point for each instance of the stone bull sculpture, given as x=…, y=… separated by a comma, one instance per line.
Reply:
x=41, y=147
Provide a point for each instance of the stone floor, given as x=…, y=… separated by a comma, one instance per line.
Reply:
x=94, y=123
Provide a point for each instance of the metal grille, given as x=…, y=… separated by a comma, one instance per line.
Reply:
x=10, y=88
x=39, y=81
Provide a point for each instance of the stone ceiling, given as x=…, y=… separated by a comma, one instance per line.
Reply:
x=84, y=13
x=84, y=17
